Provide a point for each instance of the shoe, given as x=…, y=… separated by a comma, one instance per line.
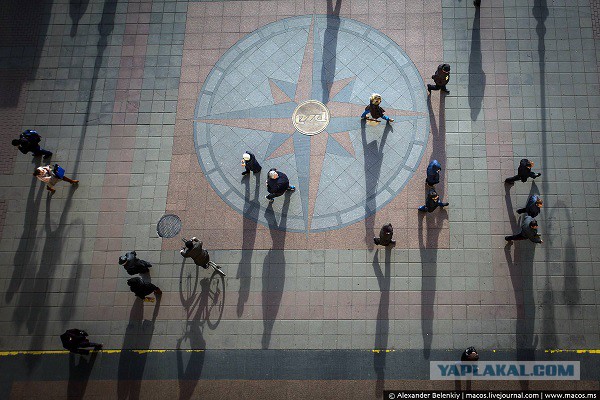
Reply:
x=446, y=205
x=391, y=120
x=428, y=89
x=158, y=292
x=509, y=182
x=376, y=240
x=98, y=346
x=51, y=190
x=270, y=200
x=245, y=173
x=507, y=238
x=520, y=211
x=539, y=174
x=292, y=188
x=447, y=91
x=75, y=182
x=392, y=241
x=47, y=157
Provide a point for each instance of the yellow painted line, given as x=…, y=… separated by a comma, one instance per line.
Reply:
x=377, y=351
x=107, y=351
x=580, y=351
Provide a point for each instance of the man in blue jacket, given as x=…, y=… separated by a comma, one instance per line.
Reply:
x=534, y=203
x=528, y=231
x=29, y=141
x=277, y=184
x=432, y=202
x=433, y=173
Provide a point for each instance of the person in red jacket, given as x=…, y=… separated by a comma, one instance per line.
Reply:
x=441, y=78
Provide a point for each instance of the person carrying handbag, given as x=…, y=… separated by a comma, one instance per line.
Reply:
x=52, y=175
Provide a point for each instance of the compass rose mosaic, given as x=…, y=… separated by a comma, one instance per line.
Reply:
x=292, y=93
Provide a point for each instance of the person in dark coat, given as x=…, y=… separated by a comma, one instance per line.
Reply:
x=528, y=231
x=143, y=289
x=76, y=341
x=432, y=202
x=534, y=203
x=249, y=162
x=29, y=141
x=193, y=249
x=385, y=236
x=523, y=172
x=433, y=173
x=134, y=265
x=470, y=354
x=277, y=184
x=440, y=78
x=374, y=109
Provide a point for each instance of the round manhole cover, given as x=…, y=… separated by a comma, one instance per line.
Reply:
x=311, y=117
x=168, y=226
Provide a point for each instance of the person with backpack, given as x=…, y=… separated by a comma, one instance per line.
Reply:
x=142, y=289
x=385, y=236
x=440, y=78
x=29, y=141
x=134, y=265
x=52, y=175
x=76, y=341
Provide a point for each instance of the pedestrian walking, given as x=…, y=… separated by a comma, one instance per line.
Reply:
x=29, y=141
x=440, y=78
x=528, y=231
x=277, y=184
x=193, y=249
x=385, y=236
x=432, y=201
x=433, y=173
x=142, y=289
x=52, y=175
x=374, y=111
x=523, y=172
x=250, y=163
x=76, y=341
x=134, y=265
x=470, y=354
x=534, y=203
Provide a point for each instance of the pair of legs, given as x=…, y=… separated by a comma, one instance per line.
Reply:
x=431, y=87
x=271, y=196
x=515, y=178
x=41, y=152
x=248, y=170
x=378, y=241
x=518, y=236
x=83, y=347
x=66, y=179
x=440, y=204
x=385, y=117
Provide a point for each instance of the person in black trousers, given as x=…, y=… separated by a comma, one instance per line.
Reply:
x=385, y=236
x=432, y=202
x=249, y=162
x=76, y=341
x=277, y=184
x=29, y=141
x=440, y=78
x=534, y=204
x=524, y=172
x=143, y=289
x=134, y=265
x=528, y=231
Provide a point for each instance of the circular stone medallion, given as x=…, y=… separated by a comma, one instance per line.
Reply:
x=311, y=117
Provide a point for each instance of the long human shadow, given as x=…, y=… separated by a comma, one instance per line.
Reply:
x=189, y=373
x=138, y=335
x=373, y=158
x=329, y=55
x=22, y=259
x=521, y=276
x=79, y=374
x=438, y=133
x=76, y=10
x=244, y=271
x=476, y=74
x=37, y=314
x=382, y=327
x=273, y=272
x=571, y=292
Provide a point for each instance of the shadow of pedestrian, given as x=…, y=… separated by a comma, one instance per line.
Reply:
x=428, y=252
x=521, y=276
x=571, y=291
x=76, y=10
x=244, y=271
x=330, y=39
x=477, y=76
x=382, y=327
x=79, y=374
x=138, y=336
x=273, y=274
x=373, y=158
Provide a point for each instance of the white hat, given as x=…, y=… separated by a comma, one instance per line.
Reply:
x=374, y=96
x=246, y=156
x=273, y=174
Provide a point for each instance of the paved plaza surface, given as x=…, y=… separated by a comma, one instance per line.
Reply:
x=151, y=104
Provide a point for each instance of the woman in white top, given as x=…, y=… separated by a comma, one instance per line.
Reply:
x=46, y=175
